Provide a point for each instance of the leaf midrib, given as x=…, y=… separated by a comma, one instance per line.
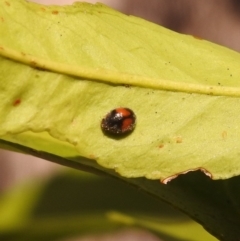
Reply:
x=114, y=77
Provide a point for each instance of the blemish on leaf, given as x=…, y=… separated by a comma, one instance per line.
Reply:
x=2, y=19
x=1, y=48
x=91, y=156
x=43, y=9
x=161, y=146
x=7, y=3
x=224, y=135
x=33, y=63
x=168, y=179
x=17, y=102
x=55, y=12
x=178, y=139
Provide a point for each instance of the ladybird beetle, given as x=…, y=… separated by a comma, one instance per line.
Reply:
x=118, y=121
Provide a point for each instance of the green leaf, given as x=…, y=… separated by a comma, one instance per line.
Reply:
x=56, y=89
x=176, y=131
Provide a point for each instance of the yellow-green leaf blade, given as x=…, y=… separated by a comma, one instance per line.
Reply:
x=176, y=131
x=175, y=135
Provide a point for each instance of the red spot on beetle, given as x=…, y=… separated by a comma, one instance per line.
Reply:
x=126, y=123
x=55, y=12
x=17, y=102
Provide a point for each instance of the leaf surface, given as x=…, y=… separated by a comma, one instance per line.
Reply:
x=176, y=131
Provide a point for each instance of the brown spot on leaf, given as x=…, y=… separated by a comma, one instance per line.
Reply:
x=161, y=146
x=224, y=135
x=2, y=19
x=55, y=12
x=168, y=179
x=178, y=139
x=33, y=63
x=17, y=102
x=91, y=156
x=1, y=48
x=7, y=3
